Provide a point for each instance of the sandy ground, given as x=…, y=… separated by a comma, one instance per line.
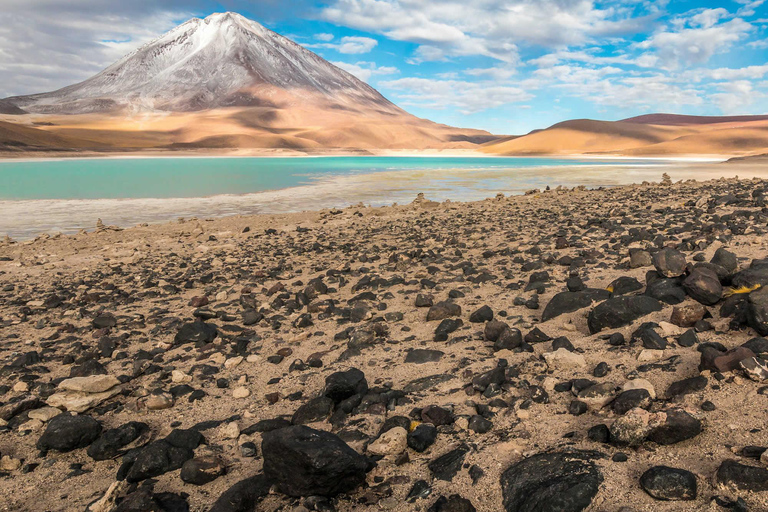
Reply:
x=146, y=277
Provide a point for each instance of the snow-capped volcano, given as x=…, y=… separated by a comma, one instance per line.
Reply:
x=222, y=60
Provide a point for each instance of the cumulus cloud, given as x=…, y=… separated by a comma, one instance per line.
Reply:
x=365, y=70
x=467, y=97
x=349, y=45
x=697, y=40
x=492, y=28
x=736, y=97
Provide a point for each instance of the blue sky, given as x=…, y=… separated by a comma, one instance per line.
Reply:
x=504, y=66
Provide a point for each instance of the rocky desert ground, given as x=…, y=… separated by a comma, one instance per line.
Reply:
x=565, y=350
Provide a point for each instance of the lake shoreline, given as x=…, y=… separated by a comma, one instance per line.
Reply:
x=6, y=156
x=307, y=189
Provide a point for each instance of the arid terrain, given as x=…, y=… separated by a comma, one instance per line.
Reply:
x=578, y=349
x=651, y=135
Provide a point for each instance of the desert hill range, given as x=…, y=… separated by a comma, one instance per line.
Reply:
x=226, y=84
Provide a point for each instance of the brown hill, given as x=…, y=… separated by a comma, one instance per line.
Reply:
x=671, y=136
x=15, y=137
x=681, y=120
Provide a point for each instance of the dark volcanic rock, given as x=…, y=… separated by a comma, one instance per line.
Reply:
x=422, y=437
x=621, y=311
x=742, y=477
x=65, y=433
x=201, y=470
x=704, y=286
x=630, y=399
x=421, y=356
x=558, y=481
x=196, y=332
x=669, y=262
x=447, y=465
x=342, y=385
x=665, y=483
x=161, y=456
x=453, y=503
x=679, y=426
x=111, y=443
x=305, y=462
x=443, y=310
x=568, y=302
x=668, y=291
x=484, y=314
x=757, y=311
x=446, y=327
x=243, y=496
x=316, y=409
x=624, y=285
x=687, y=386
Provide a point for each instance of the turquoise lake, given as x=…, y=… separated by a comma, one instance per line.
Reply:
x=65, y=195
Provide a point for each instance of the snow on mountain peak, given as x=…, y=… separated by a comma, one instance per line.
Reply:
x=222, y=60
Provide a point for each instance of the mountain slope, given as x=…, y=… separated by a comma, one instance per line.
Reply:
x=223, y=60
x=228, y=82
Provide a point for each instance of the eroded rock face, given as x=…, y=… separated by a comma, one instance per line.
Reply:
x=305, y=462
x=563, y=481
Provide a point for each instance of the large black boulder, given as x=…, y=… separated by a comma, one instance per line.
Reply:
x=65, y=433
x=568, y=302
x=703, y=285
x=669, y=262
x=667, y=290
x=342, y=385
x=302, y=461
x=111, y=442
x=620, y=311
x=678, y=426
x=161, y=456
x=742, y=477
x=552, y=482
x=757, y=311
x=668, y=484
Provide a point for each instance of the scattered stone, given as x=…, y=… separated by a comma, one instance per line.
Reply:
x=202, y=470
x=742, y=477
x=305, y=462
x=669, y=484
x=562, y=481
x=620, y=311
x=65, y=433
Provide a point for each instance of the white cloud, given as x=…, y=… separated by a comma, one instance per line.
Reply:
x=719, y=74
x=708, y=17
x=349, y=45
x=590, y=56
x=468, y=97
x=697, y=43
x=324, y=37
x=497, y=74
x=365, y=70
x=736, y=97
x=48, y=48
x=749, y=7
x=491, y=28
